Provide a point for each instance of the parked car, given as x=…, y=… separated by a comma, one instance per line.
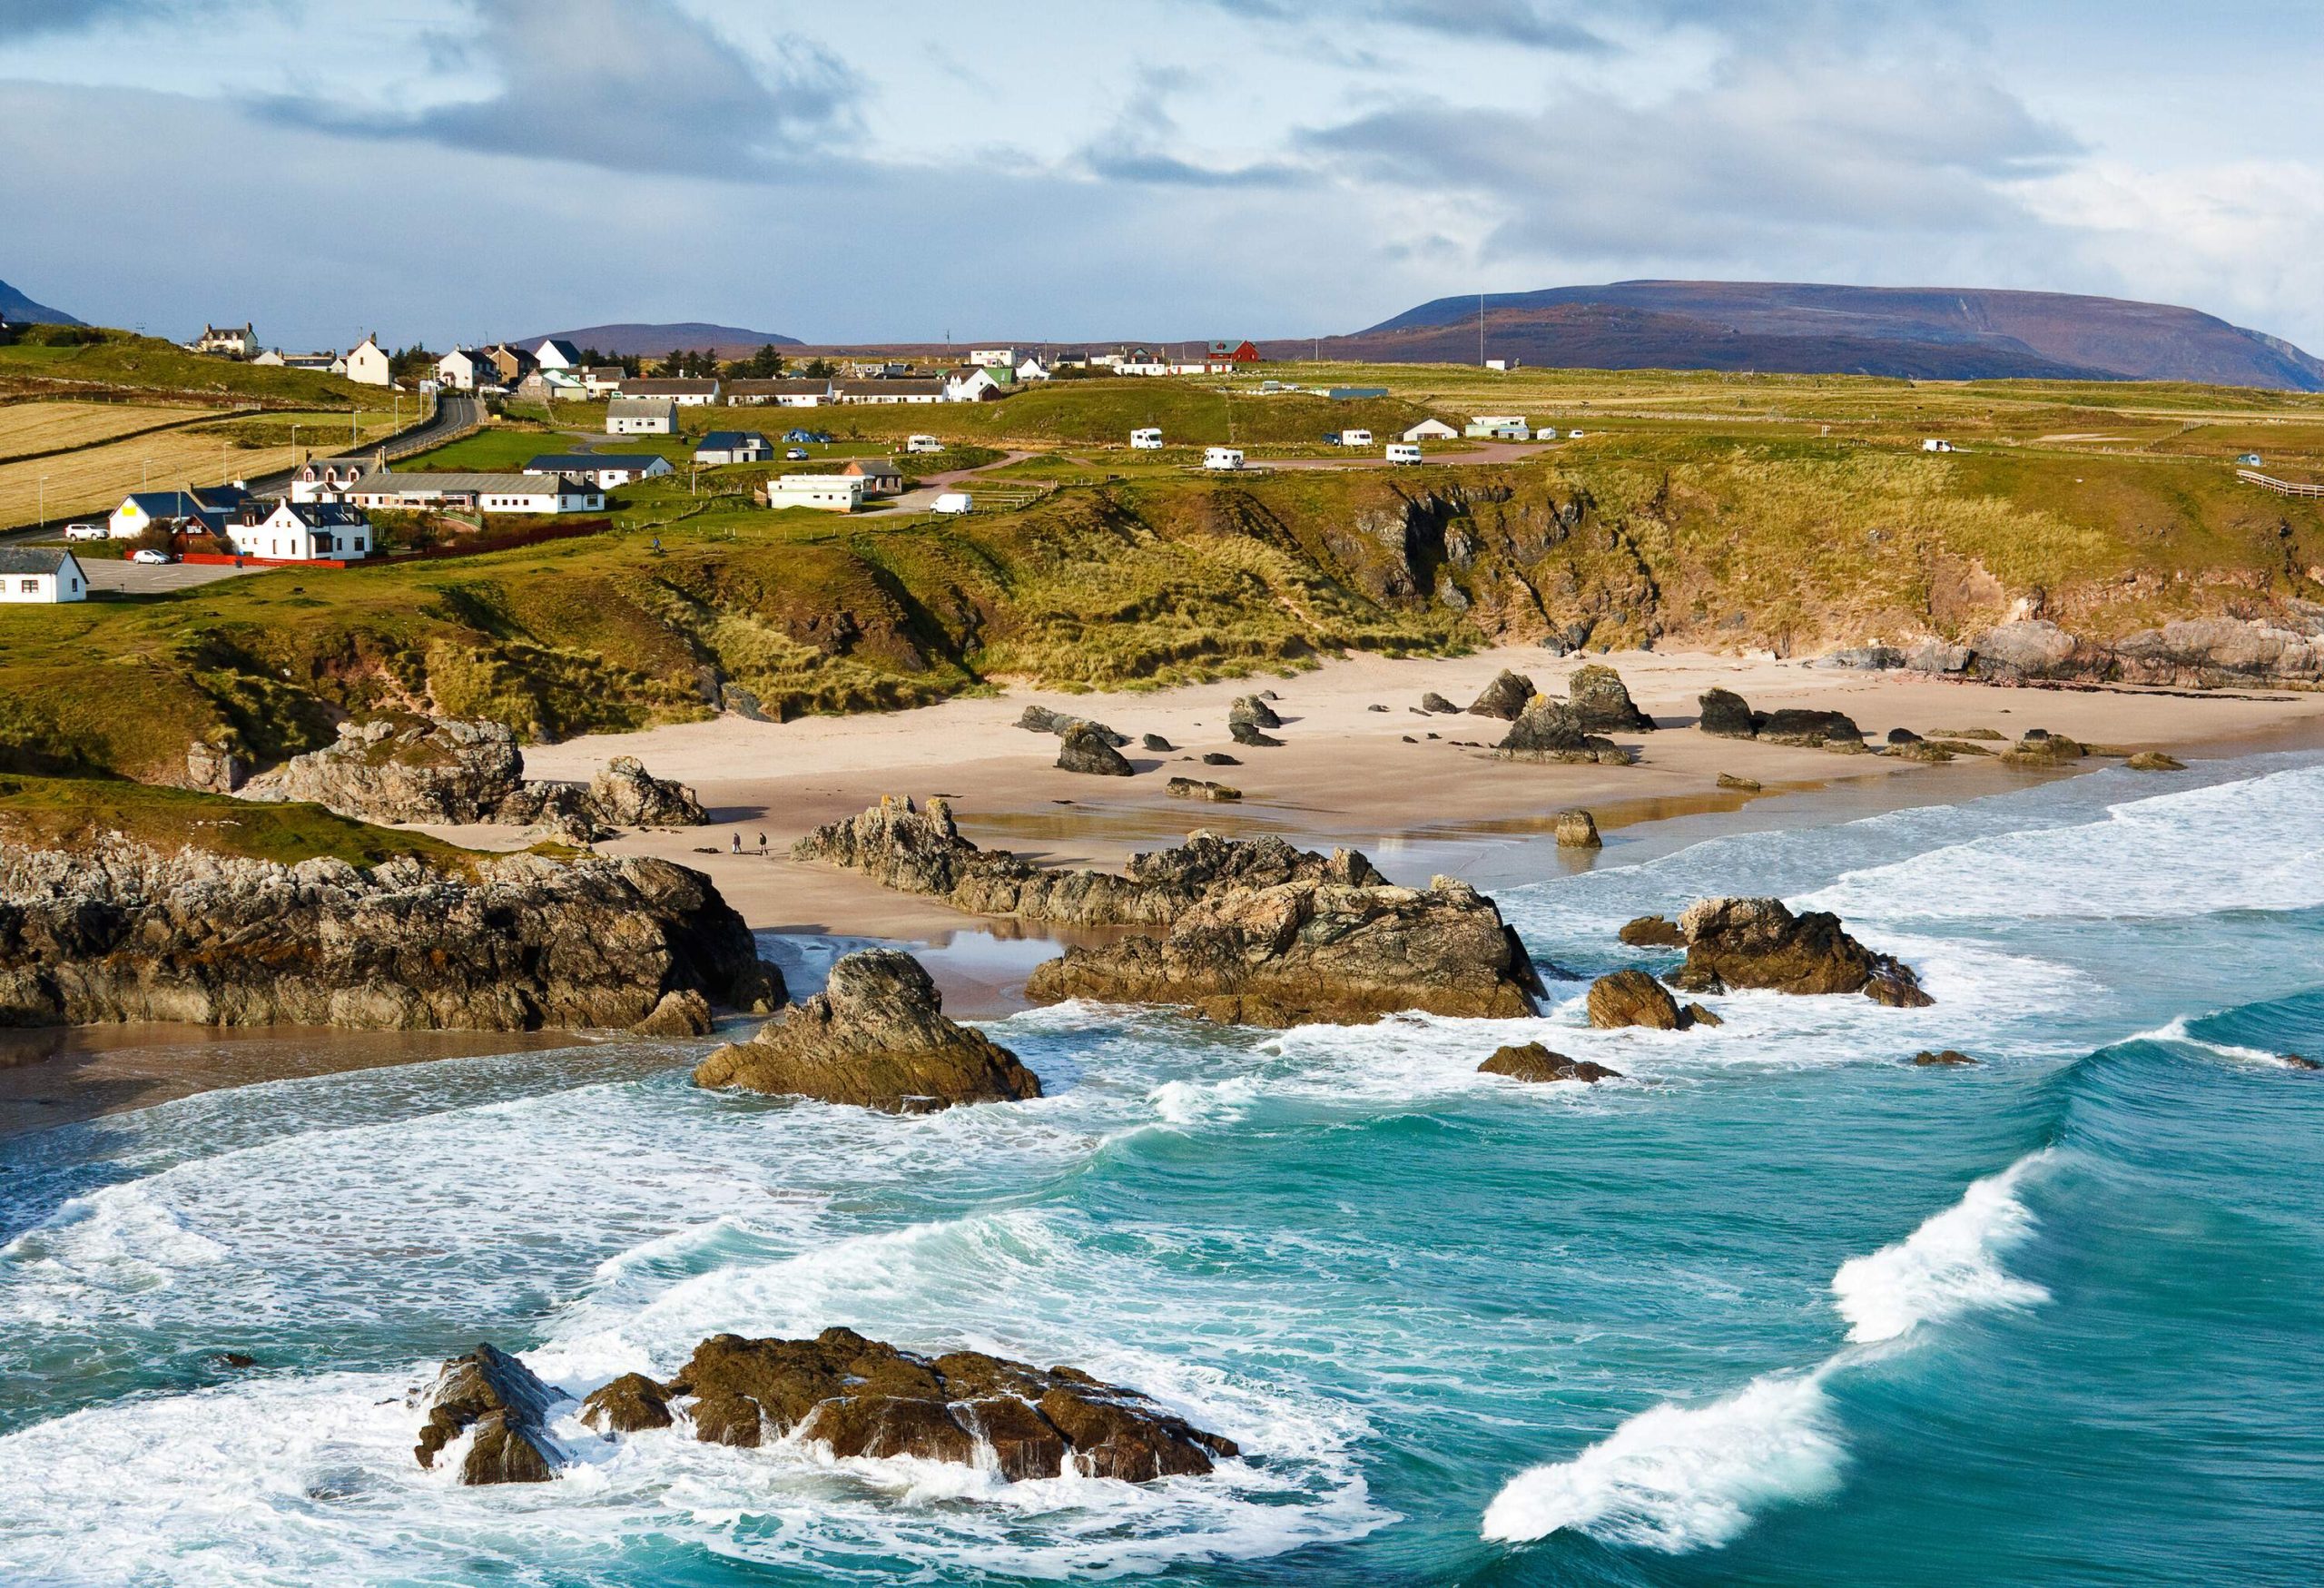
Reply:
x=952, y=501
x=85, y=532
x=793, y=454
x=146, y=554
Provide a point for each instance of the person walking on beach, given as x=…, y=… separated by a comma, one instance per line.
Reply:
x=761, y=846
x=738, y=844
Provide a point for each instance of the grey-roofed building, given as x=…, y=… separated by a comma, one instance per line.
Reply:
x=490, y=493
x=788, y=393
x=685, y=391
x=641, y=416
x=888, y=391
x=609, y=469
x=42, y=575
x=298, y=531
x=733, y=447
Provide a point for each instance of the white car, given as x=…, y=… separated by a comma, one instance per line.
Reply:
x=85, y=532
x=148, y=555
x=951, y=501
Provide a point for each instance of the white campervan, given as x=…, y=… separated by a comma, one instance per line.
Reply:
x=952, y=501
x=1222, y=458
x=1402, y=452
x=1148, y=440
x=922, y=444
x=1355, y=438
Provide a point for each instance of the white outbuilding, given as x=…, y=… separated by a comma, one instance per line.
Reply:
x=641, y=416
x=43, y=574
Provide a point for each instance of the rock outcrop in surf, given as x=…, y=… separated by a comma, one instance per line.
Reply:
x=121, y=931
x=1314, y=950
x=1534, y=1063
x=876, y=1037
x=496, y=1400
x=1759, y=943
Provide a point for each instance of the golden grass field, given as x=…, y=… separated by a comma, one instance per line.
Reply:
x=44, y=427
x=93, y=480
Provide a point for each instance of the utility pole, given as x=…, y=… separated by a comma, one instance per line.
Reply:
x=1481, y=331
x=44, y=501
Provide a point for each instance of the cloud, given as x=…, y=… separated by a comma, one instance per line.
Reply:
x=27, y=18
x=1513, y=22
x=1137, y=147
x=619, y=84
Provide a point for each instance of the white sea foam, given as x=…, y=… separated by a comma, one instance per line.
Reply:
x=1949, y=1266
x=2176, y=1032
x=1681, y=1477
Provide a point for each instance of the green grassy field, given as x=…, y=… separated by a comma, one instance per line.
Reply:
x=129, y=363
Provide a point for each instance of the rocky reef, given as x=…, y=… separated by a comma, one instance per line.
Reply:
x=1551, y=730
x=1760, y=944
x=857, y=1397
x=1533, y=1062
x=121, y=929
x=1311, y=950
x=875, y=1037
x=2274, y=643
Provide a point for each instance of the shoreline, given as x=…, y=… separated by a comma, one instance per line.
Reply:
x=1344, y=776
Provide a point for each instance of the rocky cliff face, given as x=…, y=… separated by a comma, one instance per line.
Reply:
x=1308, y=950
x=876, y=1037
x=2284, y=646
x=125, y=932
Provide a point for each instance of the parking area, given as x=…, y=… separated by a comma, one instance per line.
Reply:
x=137, y=579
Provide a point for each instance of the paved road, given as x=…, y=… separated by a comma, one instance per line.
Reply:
x=454, y=415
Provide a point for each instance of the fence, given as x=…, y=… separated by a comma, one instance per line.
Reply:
x=2283, y=488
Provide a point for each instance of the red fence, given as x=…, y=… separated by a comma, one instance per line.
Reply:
x=473, y=548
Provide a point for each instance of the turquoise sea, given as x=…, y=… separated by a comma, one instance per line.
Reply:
x=1779, y=1309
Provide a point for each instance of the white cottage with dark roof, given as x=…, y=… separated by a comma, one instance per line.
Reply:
x=41, y=574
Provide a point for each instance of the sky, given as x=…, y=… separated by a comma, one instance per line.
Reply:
x=446, y=171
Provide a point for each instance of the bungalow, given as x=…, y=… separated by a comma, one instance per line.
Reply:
x=685, y=393
x=880, y=475
x=1430, y=430
x=1032, y=369
x=638, y=415
x=602, y=380
x=831, y=493
x=300, y=532
x=142, y=510
x=46, y=574
x=327, y=363
x=556, y=353
x=458, y=370
x=780, y=393
x=733, y=447
x=234, y=341
x=977, y=384
x=490, y=493
x=889, y=391
x=326, y=479
x=608, y=469
x=367, y=364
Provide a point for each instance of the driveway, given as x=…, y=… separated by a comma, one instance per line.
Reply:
x=141, y=579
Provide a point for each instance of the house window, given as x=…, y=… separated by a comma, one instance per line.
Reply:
x=29, y=587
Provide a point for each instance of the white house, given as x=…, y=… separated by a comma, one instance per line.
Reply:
x=685, y=393
x=1032, y=369
x=1431, y=430
x=733, y=447
x=367, y=365
x=602, y=380
x=780, y=393
x=971, y=384
x=993, y=358
x=302, y=532
x=326, y=479
x=458, y=370
x=235, y=341
x=45, y=574
x=490, y=493
x=888, y=391
x=831, y=493
x=556, y=353
x=609, y=470
x=639, y=416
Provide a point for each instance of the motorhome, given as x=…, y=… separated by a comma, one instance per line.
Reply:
x=1148, y=440
x=1222, y=458
x=1402, y=452
x=923, y=444
x=1355, y=438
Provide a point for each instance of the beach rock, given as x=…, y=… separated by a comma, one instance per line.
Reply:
x=1433, y=702
x=683, y=1012
x=1195, y=788
x=498, y=1397
x=1696, y=1015
x=1252, y=709
x=628, y=1405
x=1760, y=944
x=1922, y=750
x=1602, y=701
x=1809, y=729
x=2039, y=749
x=1902, y=737
x=404, y=768
x=1313, y=950
x=1725, y=715
x=1942, y=1056
x=1534, y=1063
x=1244, y=730
x=876, y=1037
x=624, y=794
x=2154, y=761
x=1741, y=785
x=1220, y=758
x=1548, y=730
x=1652, y=932
x=2034, y=648
x=115, y=930
x=1577, y=830
x=213, y=770
x=1633, y=998
x=1083, y=748
x=1376, y=708
x=1157, y=743
x=863, y=1397
x=2299, y=1061
x=1505, y=698
x=1041, y=719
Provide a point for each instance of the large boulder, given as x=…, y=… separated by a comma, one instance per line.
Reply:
x=496, y=1398
x=1760, y=944
x=1807, y=729
x=1633, y=998
x=1313, y=950
x=1244, y=730
x=875, y=1037
x=1550, y=730
x=627, y=1406
x=1726, y=714
x=1253, y=709
x=863, y=1397
x=1602, y=701
x=1505, y=698
x=1577, y=830
x=624, y=794
x=1534, y=1063
x=1652, y=932
x=1082, y=748
x=1436, y=704
x=404, y=768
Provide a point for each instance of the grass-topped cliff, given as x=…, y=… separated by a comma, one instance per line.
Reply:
x=1762, y=531
x=74, y=814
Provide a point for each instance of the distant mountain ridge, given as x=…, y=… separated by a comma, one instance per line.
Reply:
x=15, y=306
x=1807, y=328
x=645, y=340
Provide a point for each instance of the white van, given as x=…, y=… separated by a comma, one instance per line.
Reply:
x=1572, y=435
x=1222, y=458
x=1402, y=452
x=1355, y=438
x=952, y=501
x=85, y=532
x=1148, y=440
x=922, y=444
